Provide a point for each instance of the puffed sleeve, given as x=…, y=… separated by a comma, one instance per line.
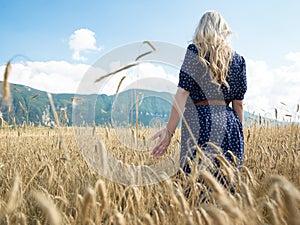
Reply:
x=242, y=85
x=186, y=74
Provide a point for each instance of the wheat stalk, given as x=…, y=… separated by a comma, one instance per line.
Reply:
x=6, y=87
x=143, y=55
x=116, y=71
x=119, y=85
x=48, y=207
x=14, y=195
x=150, y=44
x=88, y=202
x=35, y=96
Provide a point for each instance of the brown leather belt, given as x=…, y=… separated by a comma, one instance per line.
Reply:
x=211, y=102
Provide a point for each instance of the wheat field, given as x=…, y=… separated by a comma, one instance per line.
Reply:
x=44, y=180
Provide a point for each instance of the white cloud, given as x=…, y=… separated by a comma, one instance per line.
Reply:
x=52, y=76
x=293, y=56
x=273, y=88
x=82, y=40
x=64, y=77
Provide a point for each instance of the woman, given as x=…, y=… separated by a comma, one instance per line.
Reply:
x=211, y=77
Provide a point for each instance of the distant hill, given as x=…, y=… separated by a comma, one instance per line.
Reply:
x=32, y=105
x=29, y=104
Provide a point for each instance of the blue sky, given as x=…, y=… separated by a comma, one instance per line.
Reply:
x=61, y=39
x=264, y=30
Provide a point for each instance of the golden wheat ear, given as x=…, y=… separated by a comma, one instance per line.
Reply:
x=119, y=85
x=48, y=207
x=6, y=87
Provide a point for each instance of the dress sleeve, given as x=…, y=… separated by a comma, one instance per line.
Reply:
x=186, y=80
x=242, y=85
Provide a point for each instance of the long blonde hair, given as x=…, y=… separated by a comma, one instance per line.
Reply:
x=211, y=39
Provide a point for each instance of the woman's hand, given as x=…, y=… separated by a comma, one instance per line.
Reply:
x=165, y=137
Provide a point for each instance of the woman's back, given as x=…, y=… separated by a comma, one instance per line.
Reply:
x=194, y=77
x=218, y=124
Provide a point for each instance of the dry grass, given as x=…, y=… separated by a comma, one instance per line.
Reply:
x=39, y=185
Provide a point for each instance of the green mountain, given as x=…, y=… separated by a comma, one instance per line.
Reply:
x=30, y=105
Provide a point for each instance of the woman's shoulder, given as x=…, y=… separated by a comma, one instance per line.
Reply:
x=237, y=58
x=192, y=47
x=238, y=65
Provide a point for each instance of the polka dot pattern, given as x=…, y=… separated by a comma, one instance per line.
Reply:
x=211, y=123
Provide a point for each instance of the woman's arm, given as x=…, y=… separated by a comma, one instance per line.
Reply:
x=237, y=106
x=165, y=134
x=177, y=108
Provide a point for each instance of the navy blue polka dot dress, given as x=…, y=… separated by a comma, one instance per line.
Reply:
x=218, y=124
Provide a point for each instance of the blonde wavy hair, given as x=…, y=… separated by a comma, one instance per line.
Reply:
x=211, y=39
